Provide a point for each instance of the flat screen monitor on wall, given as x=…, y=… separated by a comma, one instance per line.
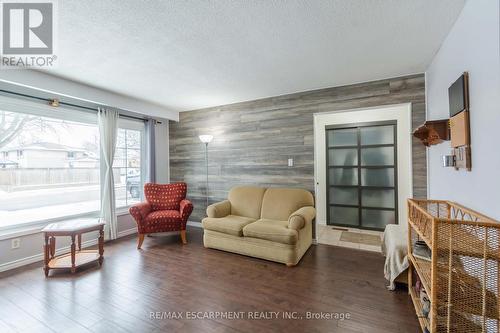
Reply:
x=458, y=94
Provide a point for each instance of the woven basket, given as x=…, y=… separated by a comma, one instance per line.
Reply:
x=462, y=277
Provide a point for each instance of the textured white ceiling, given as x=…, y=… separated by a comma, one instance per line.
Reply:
x=189, y=54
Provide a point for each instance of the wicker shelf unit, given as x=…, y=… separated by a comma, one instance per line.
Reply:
x=462, y=277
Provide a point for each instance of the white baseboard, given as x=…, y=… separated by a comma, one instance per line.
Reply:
x=127, y=232
x=39, y=257
x=194, y=224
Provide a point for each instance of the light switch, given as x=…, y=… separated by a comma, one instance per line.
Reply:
x=290, y=162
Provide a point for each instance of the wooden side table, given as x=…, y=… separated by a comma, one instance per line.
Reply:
x=74, y=229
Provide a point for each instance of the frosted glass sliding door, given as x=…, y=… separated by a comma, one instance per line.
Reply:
x=362, y=175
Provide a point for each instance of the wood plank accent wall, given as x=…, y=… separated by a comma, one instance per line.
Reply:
x=253, y=140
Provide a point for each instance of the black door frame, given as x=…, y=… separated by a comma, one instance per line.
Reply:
x=359, y=167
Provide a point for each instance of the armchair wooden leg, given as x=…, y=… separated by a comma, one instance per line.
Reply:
x=290, y=265
x=183, y=236
x=140, y=240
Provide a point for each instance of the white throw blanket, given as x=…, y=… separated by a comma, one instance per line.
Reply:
x=394, y=248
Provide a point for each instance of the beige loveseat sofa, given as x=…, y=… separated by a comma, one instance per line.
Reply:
x=268, y=223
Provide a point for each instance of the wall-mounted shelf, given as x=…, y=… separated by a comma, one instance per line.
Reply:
x=433, y=132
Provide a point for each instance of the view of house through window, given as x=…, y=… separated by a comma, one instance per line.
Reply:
x=49, y=168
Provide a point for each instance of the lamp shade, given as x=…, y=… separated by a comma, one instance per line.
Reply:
x=206, y=138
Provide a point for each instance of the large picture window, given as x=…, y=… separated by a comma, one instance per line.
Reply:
x=49, y=167
x=50, y=163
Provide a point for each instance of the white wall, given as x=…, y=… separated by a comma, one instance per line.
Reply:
x=402, y=114
x=472, y=45
x=60, y=86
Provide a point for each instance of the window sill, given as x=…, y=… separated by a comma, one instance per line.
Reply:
x=34, y=227
x=30, y=228
x=19, y=231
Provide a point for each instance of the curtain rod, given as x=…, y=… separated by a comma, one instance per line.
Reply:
x=69, y=104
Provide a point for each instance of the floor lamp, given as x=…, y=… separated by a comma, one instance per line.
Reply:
x=206, y=139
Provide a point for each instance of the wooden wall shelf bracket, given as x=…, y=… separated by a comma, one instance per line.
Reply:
x=433, y=132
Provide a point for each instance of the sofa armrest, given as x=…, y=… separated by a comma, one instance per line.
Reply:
x=219, y=209
x=300, y=217
x=140, y=211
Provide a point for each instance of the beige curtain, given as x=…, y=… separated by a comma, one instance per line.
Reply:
x=108, y=128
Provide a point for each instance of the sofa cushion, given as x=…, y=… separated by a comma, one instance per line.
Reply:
x=246, y=201
x=279, y=203
x=272, y=230
x=161, y=221
x=231, y=224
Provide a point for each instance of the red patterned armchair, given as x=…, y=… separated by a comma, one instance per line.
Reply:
x=166, y=209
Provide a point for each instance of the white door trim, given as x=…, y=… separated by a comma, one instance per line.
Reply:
x=399, y=112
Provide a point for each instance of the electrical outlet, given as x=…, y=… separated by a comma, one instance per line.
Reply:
x=15, y=243
x=290, y=162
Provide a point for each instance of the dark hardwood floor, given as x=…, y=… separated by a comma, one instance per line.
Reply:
x=168, y=277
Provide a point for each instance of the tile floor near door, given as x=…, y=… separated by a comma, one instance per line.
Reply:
x=367, y=240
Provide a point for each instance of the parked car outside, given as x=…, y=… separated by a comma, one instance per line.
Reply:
x=134, y=186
